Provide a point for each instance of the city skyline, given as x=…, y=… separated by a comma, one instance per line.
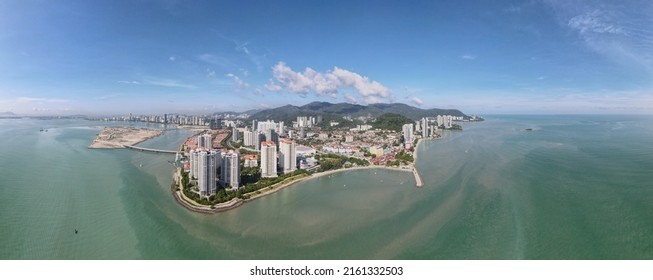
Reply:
x=152, y=57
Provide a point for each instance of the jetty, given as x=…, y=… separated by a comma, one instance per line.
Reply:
x=418, y=178
x=149, y=149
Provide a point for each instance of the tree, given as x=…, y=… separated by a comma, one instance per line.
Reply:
x=390, y=121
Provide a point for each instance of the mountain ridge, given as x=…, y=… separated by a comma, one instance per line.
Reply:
x=291, y=112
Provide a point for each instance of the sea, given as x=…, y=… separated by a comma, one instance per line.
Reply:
x=510, y=187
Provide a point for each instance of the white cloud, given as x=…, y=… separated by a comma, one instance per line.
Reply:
x=595, y=21
x=104, y=97
x=417, y=101
x=541, y=78
x=167, y=83
x=24, y=100
x=210, y=73
x=217, y=60
x=327, y=84
x=240, y=83
x=172, y=58
x=468, y=57
x=350, y=98
x=618, y=31
x=130, y=82
x=271, y=86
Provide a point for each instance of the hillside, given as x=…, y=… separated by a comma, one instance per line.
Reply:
x=290, y=112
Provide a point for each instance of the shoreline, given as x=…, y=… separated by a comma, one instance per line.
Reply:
x=128, y=136
x=236, y=202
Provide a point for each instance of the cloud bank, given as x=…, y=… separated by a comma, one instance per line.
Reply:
x=329, y=83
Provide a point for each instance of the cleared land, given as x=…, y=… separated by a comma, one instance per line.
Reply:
x=117, y=137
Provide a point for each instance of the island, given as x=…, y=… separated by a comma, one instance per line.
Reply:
x=119, y=137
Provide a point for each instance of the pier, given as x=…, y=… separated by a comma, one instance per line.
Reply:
x=418, y=178
x=149, y=150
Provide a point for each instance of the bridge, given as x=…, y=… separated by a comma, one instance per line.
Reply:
x=149, y=149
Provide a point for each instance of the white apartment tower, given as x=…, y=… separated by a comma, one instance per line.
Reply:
x=204, y=141
x=194, y=160
x=272, y=135
x=425, y=128
x=206, y=173
x=234, y=134
x=230, y=170
x=280, y=128
x=287, y=156
x=248, y=138
x=408, y=135
x=268, y=159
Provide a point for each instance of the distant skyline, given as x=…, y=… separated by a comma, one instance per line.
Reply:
x=145, y=57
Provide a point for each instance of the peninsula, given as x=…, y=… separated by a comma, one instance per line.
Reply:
x=235, y=158
x=119, y=137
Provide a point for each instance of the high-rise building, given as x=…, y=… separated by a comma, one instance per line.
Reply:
x=259, y=137
x=266, y=125
x=302, y=121
x=230, y=170
x=448, y=121
x=408, y=135
x=204, y=141
x=287, y=156
x=235, y=136
x=254, y=125
x=425, y=128
x=248, y=138
x=272, y=135
x=280, y=128
x=194, y=161
x=206, y=173
x=268, y=159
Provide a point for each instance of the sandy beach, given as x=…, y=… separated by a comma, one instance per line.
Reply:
x=118, y=137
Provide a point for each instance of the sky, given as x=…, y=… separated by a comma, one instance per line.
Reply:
x=482, y=57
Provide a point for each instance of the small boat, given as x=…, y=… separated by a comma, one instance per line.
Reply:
x=140, y=165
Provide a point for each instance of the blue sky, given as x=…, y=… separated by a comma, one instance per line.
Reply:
x=105, y=57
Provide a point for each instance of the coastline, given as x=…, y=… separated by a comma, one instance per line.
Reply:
x=234, y=203
x=125, y=136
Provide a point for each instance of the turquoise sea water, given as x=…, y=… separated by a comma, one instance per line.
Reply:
x=576, y=187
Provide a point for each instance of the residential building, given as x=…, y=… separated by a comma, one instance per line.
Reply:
x=204, y=141
x=206, y=173
x=248, y=138
x=230, y=170
x=287, y=155
x=268, y=159
x=235, y=134
x=408, y=135
x=250, y=160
